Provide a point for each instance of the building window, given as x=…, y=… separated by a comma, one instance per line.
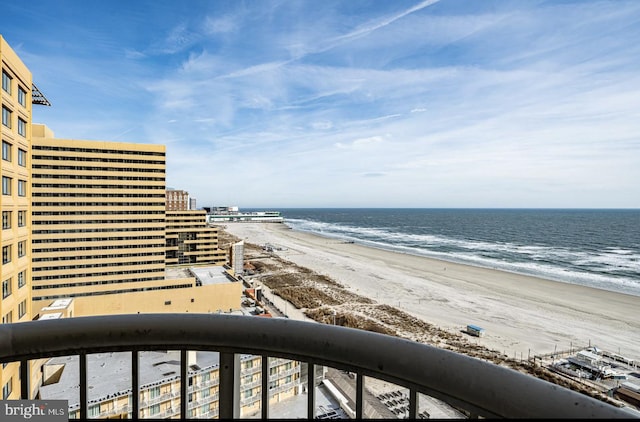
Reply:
x=22, y=96
x=6, y=82
x=6, y=254
x=22, y=188
x=22, y=248
x=22, y=280
x=6, y=288
x=22, y=218
x=22, y=127
x=22, y=157
x=6, y=117
x=93, y=411
x=6, y=151
x=7, y=389
x=8, y=318
x=6, y=220
x=6, y=185
x=22, y=309
x=155, y=409
x=154, y=392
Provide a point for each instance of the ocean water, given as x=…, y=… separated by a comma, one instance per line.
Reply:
x=596, y=248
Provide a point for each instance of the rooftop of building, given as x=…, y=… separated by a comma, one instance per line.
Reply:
x=206, y=276
x=53, y=315
x=177, y=272
x=109, y=374
x=211, y=275
x=58, y=304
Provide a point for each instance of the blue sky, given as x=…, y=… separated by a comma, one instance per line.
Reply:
x=350, y=103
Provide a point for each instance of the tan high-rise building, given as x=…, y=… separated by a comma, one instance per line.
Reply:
x=190, y=241
x=84, y=219
x=98, y=217
x=15, y=237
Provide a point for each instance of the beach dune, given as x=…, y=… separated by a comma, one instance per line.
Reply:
x=522, y=315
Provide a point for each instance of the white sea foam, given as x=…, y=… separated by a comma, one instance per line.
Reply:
x=610, y=268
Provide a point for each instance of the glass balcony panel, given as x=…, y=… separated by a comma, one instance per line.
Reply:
x=385, y=400
x=327, y=403
x=203, y=384
x=250, y=389
x=61, y=381
x=432, y=408
x=284, y=388
x=108, y=384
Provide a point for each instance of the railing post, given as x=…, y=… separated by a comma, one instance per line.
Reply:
x=229, y=402
x=265, y=387
x=413, y=404
x=311, y=391
x=25, y=381
x=184, y=382
x=135, y=386
x=359, y=396
x=83, y=385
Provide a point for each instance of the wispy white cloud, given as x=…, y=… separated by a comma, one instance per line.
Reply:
x=426, y=103
x=219, y=24
x=178, y=38
x=362, y=143
x=369, y=27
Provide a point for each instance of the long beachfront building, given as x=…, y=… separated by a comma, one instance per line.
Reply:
x=98, y=214
x=218, y=215
x=100, y=224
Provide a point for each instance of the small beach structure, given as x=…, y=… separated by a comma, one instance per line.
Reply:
x=474, y=330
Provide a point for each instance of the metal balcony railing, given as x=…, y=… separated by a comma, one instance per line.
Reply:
x=478, y=387
x=282, y=387
x=251, y=384
x=250, y=400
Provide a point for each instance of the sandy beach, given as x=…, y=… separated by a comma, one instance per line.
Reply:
x=521, y=315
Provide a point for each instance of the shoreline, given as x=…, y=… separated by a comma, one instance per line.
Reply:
x=460, y=262
x=522, y=315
